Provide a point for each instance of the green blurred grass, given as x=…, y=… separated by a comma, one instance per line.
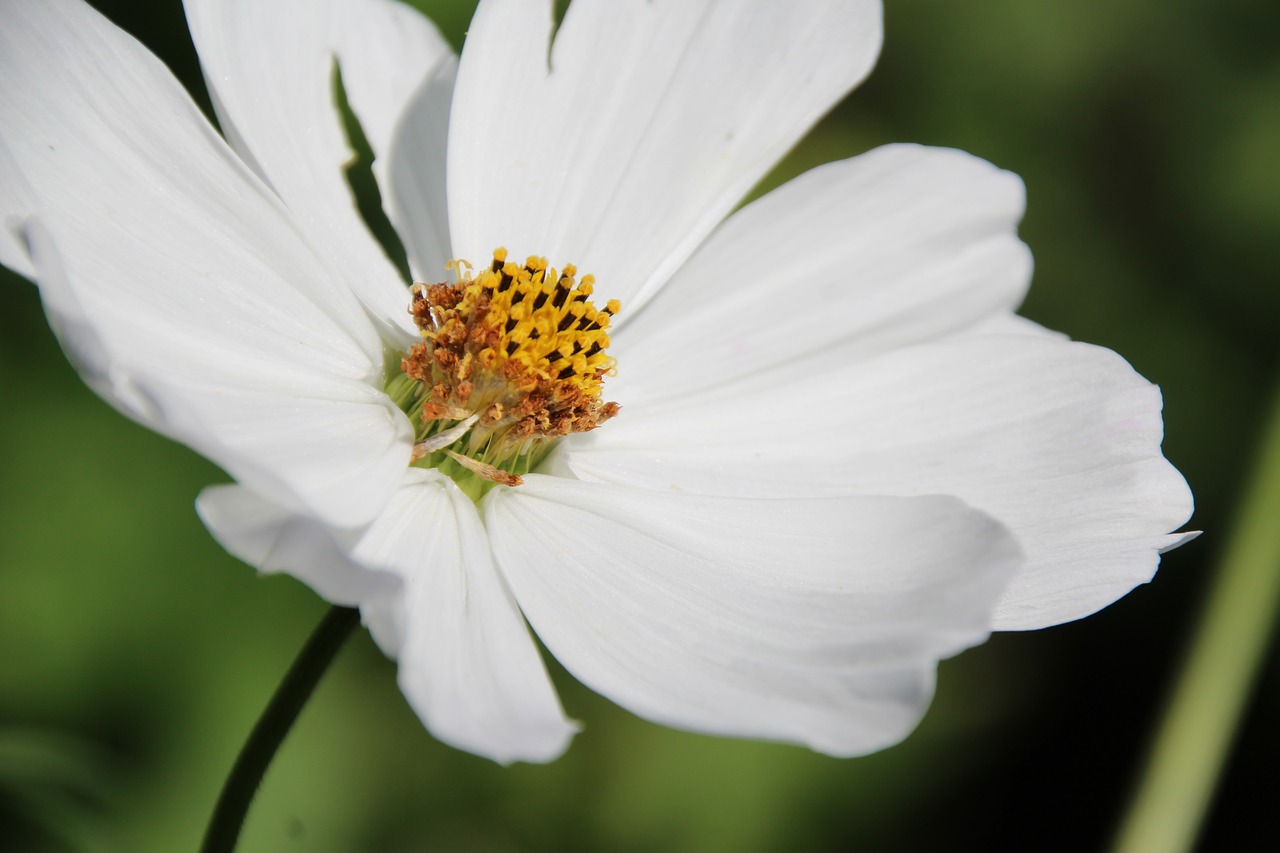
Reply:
x=136, y=654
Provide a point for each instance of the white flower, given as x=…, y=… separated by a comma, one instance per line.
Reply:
x=840, y=457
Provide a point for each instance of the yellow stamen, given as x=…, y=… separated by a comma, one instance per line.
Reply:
x=518, y=350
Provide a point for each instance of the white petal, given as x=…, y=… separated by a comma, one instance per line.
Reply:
x=1058, y=440
x=273, y=539
x=269, y=67
x=467, y=663
x=214, y=322
x=413, y=177
x=813, y=621
x=900, y=245
x=643, y=127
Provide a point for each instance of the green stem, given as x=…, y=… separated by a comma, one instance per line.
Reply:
x=272, y=727
x=1208, y=701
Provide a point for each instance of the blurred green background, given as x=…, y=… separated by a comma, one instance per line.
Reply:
x=136, y=654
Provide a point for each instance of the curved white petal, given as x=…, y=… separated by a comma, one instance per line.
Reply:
x=813, y=621
x=620, y=146
x=413, y=176
x=467, y=663
x=214, y=322
x=272, y=539
x=270, y=69
x=899, y=245
x=388, y=50
x=1058, y=440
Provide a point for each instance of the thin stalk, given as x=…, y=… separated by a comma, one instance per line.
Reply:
x=1206, y=705
x=272, y=727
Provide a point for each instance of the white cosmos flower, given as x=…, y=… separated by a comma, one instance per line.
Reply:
x=840, y=456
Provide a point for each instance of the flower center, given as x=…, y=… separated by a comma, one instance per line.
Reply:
x=510, y=361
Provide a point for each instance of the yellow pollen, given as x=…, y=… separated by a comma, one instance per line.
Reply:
x=521, y=350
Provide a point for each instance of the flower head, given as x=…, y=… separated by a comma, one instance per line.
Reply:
x=756, y=477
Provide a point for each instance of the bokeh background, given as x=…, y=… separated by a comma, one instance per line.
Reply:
x=135, y=654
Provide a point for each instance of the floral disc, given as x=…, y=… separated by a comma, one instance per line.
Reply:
x=510, y=361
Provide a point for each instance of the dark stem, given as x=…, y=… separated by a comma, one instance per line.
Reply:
x=272, y=727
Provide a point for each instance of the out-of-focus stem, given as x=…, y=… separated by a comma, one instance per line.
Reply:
x=1196, y=734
